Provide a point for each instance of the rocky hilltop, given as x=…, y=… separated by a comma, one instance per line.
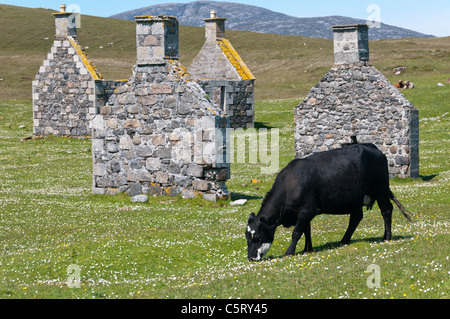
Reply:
x=256, y=19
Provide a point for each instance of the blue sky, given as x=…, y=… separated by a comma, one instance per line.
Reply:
x=427, y=16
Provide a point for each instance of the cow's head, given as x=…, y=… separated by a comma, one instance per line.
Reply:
x=259, y=237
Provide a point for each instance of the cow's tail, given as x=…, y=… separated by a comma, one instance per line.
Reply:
x=400, y=206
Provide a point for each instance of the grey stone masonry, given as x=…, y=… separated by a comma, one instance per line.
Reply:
x=64, y=89
x=355, y=100
x=156, y=41
x=235, y=98
x=158, y=134
x=224, y=76
x=351, y=43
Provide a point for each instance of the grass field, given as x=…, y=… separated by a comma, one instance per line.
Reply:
x=177, y=248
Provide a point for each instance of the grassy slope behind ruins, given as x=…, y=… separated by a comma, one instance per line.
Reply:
x=284, y=66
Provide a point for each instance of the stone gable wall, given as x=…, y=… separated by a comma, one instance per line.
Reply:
x=224, y=76
x=63, y=93
x=159, y=135
x=356, y=100
x=212, y=63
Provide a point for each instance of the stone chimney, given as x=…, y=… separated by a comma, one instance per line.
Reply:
x=351, y=43
x=65, y=23
x=214, y=27
x=156, y=39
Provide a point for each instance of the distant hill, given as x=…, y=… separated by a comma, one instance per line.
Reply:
x=256, y=19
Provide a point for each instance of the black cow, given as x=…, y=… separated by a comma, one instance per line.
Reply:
x=338, y=181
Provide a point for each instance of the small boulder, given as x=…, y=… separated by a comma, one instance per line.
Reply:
x=139, y=199
x=238, y=202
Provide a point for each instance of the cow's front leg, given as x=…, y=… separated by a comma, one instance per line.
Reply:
x=355, y=218
x=300, y=228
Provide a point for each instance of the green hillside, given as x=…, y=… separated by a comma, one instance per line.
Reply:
x=285, y=66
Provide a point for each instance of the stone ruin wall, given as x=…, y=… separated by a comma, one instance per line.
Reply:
x=236, y=98
x=63, y=93
x=356, y=100
x=158, y=134
x=224, y=76
x=155, y=133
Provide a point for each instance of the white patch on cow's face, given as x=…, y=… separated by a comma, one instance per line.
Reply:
x=366, y=200
x=252, y=232
x=264, y=249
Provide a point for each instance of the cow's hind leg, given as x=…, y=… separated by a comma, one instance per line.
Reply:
x=355, y=218
x=308, y=242
x=302, y=226
x=386, y=211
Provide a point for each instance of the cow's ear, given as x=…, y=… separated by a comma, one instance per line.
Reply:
x=251, y=218
x=263, y=221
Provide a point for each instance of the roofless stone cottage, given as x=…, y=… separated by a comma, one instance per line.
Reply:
x=157, y=133
x=354, y=100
